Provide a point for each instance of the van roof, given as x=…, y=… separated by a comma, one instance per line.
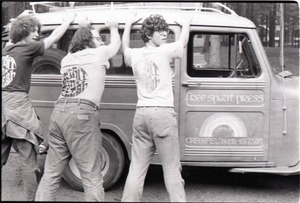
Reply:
x=99, y=14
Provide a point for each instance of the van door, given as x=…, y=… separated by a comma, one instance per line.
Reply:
x=223, y=101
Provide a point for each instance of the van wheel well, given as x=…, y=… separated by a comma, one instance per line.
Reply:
x=112, y=133
x=49, y=63
x=112, y=166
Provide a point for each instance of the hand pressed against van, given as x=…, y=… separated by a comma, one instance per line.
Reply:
x=131, y=19
x=115, y=40
x=112, y=22
x=59, y=31
x=185, y=22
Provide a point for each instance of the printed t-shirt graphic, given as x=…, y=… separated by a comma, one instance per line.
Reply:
x=148, y=77
x=84, y=74
x=153, y=74
x=74, y=83
x=9, y=67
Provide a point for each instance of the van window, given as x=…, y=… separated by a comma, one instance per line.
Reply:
x=221, y=55
x=49, y=63
x=117, y=65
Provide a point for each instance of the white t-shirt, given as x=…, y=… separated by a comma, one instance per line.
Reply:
x=83, y=74
x=153, y=74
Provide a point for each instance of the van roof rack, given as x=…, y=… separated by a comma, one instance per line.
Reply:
x=156, y=5
x=48, y=4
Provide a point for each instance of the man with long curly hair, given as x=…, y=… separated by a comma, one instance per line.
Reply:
x=20, y=125
x=75, y=122
x=155, y=124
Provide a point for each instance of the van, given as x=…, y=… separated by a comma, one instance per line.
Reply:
x=233, y=109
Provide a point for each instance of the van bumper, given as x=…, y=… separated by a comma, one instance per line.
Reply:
x=280, y=170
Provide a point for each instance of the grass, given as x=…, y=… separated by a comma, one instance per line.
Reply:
x=291, y=59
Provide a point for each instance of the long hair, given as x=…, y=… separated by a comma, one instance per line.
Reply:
x=22, y=26
x=82, y=39
x=151, y=24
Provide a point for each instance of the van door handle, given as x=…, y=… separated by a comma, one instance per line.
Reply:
x=191, y=84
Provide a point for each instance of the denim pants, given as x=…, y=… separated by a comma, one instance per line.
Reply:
x=74, y=131
x=21, y=129
x=28, y=156
x=154, y=128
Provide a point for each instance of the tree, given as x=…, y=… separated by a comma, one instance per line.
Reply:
x=272, y=25
x=291, y=22
x=12, y=10
x=215, y=47
x=281, y=35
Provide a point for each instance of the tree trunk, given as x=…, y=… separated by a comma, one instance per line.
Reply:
x=215, y=55
x=281, y=35
x=206, y=44
x=243, y=9
x=272, y=26
x=215, y=46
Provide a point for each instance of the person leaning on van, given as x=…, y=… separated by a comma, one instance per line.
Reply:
x=75, y=122
x=20, y=125
x=155, y=124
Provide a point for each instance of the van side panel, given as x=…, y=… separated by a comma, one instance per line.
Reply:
x=44, y=93
x=116, y=108
x=284, y=148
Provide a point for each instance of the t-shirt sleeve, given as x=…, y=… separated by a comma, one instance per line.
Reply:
x=174, y=50
x=104, y=59
x=36, y=48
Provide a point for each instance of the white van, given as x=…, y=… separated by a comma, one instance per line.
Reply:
x=233, y=110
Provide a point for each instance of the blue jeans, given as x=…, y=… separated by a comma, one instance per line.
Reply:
x=74, y=131
x=28, y=156
x=154, y=128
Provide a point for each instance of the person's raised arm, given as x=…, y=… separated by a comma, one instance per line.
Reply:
x=59, y=31
x=126, y=34
x=185, y=22
x=115, y=40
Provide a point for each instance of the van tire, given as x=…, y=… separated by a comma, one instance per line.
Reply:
x=49, y=63
x=112, y=169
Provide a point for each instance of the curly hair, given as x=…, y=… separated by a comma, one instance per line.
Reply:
x=151, y=24
x=22, y=26
x=82, y=39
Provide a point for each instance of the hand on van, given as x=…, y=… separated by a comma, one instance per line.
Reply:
x=184, y=20
x=112, y=23
x=83, y=20
x=133, y=18
x=69, y=18
x=59, y=31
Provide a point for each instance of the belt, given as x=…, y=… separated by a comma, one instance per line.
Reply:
x=77, y=101
x=140, y=107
